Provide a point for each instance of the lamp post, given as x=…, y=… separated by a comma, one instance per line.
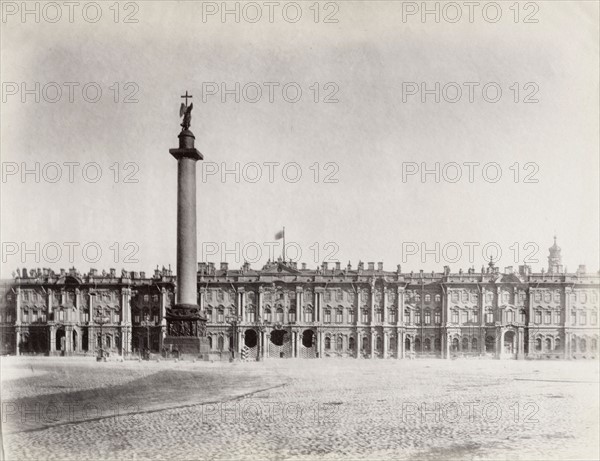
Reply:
x=101, y=320
x=233, y=320
x=147, y=323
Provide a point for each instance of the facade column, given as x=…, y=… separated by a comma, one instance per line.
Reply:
x=49, y=300
x=260, y=296
x=18, y=322
x=384, y=298
x=372, y=340
x=446, y=345
x=521, y=343
x=385, y=344
x=320, y=343
x=242, y=304
x=372, y=303
x=318, y=303
x=52, y=339
x=567, y=336
x=400, y=344
x=238, y=342
x=126, y=322
x=163, y=320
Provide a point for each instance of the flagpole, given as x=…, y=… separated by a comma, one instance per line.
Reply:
x=283, y=244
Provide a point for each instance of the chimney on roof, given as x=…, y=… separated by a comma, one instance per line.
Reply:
x=371, y=266
x=338, y=266
x=224, y=266
x=380, y=266
x=303, y=266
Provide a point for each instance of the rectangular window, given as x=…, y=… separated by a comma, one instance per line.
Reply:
x=594, y=318
x=25, y=315
x=437, y=317
x=475, y=317
x=365, y=316
x=465, y=317
x=220, y=317
x=510, y=316
x=573, y=318
x=156, y=319
x=379, y=316
x=136, y=319
x=292, y=316
x=583, y=318
x=427, y=318
x=351, y=318
x=489, y=317
x=251, y=316
x=407, y=317
x=538, y=317
x=146, y=298
x=522, y=317
x=548, y=318
x=339, y=317
x=417, y=318
x=327, y=316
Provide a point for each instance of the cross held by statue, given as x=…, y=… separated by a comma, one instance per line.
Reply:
x=186, y=96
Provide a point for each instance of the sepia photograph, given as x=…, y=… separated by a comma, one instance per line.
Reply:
x=299, y=230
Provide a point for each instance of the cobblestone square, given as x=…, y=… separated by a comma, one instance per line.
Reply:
x=75, y=408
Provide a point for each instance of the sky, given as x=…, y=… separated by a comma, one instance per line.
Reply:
x=324, y=122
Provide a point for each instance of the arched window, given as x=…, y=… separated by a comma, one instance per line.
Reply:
x=474, y=344
x=465, y=344
x=548, y=344
x=538, y=344
x=406, y=316
x=308, y=314
x=557, y=344
x=365, y=316
x=392, y=343
x=365, y=343
x=208, y=316
x=427, y=298
x=210, y=342
x=268, y=315
x=327, y=316
x=594, y=345
x=407, y=344
x=455, y=344
x=438, y=298
x=427, y=344
x=220, y=343
x=220, y=315
x=583, y=345
x=417, y=317
x=340, y=343
x=489, y=315
x=522, y=316
x=437, y=344
x=538, y=317
x=251, y=313
x=455, y=316
x=379, y=344
x=378, y=315
x=351, y=343
x=279, y=315
x=418, y=345
x=351, y=317
x=339, y=315
x=427, y=317
x=490, y=343
x=327, y=342
x=465, y=317
x=392, y=316
x=292, y=315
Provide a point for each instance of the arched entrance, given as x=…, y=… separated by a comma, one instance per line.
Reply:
x=279, y=344
x=74, y=341
x=308, y=346
x=250, y=350
x=60, y=340
x=510, y=346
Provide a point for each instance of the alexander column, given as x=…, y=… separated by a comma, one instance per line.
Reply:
x=185, y=322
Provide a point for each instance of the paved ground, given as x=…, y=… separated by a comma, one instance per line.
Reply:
x=66, y=408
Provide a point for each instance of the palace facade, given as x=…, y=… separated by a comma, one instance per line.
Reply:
x=285, y=311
